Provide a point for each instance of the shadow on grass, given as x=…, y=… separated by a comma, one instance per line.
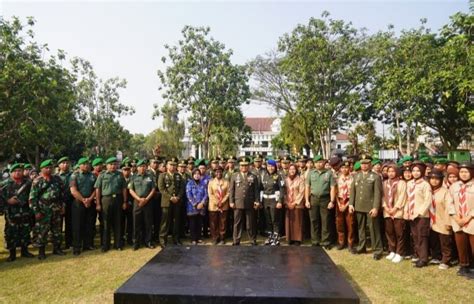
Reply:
x=363, y=297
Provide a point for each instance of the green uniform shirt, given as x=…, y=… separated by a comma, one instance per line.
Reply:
x=66, y=179
x=366, y=191
x=110, y=183
x=142, y=184
x=84, y=182
x=320, y=182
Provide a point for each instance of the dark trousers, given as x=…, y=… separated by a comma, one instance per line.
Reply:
x=420, y=230
x=83, y=222
x=68, y=223
x=441, y=246
x=195, y=226
x=273, y=216
x=395, y=234
x=218, y=224
x=127, y=224
x=319, y=219
x=465, y=246
x=157, y=216
x=364, y=220
x=262, y=223
x=112, y=218
x=170, y=217
x=142, y=223
x=345, y=226
x=251, y=224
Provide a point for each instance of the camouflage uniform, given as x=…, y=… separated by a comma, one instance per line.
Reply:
x=46, y=199
x=17, y=216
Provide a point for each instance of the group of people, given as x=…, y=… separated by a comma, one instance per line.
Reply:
x=413, y=209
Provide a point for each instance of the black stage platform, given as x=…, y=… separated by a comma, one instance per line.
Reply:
x=226, y=274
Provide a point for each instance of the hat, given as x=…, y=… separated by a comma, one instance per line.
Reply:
x=406, y=158
x=82, y=160
x=406, y=168
x=232, y=159
x=141, y=162
x=244, y=161
x=97, y=161
x=272, y=162
x=318, y=158
x=346, y=164
x=303, y=158
x=215, y=160
x=365, y=159
x=126, y=163
x=46, y=163
x=453, y=163
x=286, y=159
x=191, y=158
x=111, y=160
x=436, y=174
x=154, y=160
x=63, y=159
x=376, y=161
x=452, y=170
x=183, y=163
x=257, y=158
x=426, y=159
x=172, y=161
x=200, y=162
x=334, y=161
x=441, y=161
x=466, y=165
x=27, y=166
x=16, y=166
x=357, y=166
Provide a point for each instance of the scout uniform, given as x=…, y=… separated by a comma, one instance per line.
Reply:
x=463, y=208
x=320, y=183
x=47, y=204
x=218, y=191
x=272, y=193
x=171, y=185
x=244, y=196
x=416, y=211
x=111, y=188
x=143, y=186
x=65, y=178
x=365, y=196
x=18, y=214
x=83, y=215
x=394, y=197
x=345, y=222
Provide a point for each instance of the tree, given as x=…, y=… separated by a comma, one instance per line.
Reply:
x=202, y=80
x=169, y=138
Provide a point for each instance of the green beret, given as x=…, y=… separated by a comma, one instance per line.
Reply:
x=441, y=161
x=244, y=161
x=82, y=161
x=406, y=158
x=376, y=161
x=365, y=159
x=16, y=166
x=63, y=159
x=318, y=158
x=111, y=160
x=141, y=162
x=97, y=161
x=357, y=166
x=46, y=163
x=27, y=166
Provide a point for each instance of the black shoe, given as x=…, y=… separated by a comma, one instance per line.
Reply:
x=42, y=253
x=463, y=271
x=25, y=253
x=67, y=247
x=86, y=248
x=76, y=252
x=104, y=249
x=420, y=264
x=150, y=245
x=136, y=247
x=236, y=244
x=57, y=251
x=253, y=243
x=12, y=255
x=340, y=247
x=377, y=256
x=327, y=247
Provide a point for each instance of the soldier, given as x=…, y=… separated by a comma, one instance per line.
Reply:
x=365, y=199
x=83, y=209
x=244, y=201
x=111, y=195
x=15, y=191
x=259, y=171
x=65, y=175
x=153, y=170
x=97, y=167
x=127, y=215
x=182, y=165
x=142, y=188
x=47, y=204
x=271, y=195
x=320, y=196
x=285, y=163
x=171, y=186
x=230, y=168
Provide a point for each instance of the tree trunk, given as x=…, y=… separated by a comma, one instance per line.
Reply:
x=399, y=134
x=408, y=140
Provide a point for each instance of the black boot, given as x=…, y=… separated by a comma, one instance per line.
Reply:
x=42, y=254
x=12, y=256
x=269, y=240
x=57, y=250
x=25, y=253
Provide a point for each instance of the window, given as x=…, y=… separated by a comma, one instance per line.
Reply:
x=265, y=144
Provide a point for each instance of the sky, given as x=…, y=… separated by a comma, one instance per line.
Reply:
x=126, y=39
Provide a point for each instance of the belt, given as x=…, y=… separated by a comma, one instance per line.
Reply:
x=111, y=195
x=274, y=196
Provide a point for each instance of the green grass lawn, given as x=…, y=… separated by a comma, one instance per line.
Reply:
x=93, y=276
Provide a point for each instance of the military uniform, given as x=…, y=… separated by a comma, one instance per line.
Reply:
x=320, y=183
x=47, y=204
x=142, y=186
x=83, y=217
x=156, y=203
x=111, y=185
x=272, y=193
x=243, y=194
x=365, y=195
x=67, y=196
x=170, y=185
x=17, y=216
